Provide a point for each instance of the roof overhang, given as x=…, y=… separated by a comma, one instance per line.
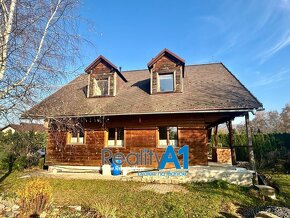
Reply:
x=147, y=113
x=168, y=53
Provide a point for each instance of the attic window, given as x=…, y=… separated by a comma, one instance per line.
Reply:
x=100, y=87
x=166, y=82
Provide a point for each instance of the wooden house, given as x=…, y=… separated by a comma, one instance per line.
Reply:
x=170, y=103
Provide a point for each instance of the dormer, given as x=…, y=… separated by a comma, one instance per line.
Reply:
x=104, y=78
x=166, y=73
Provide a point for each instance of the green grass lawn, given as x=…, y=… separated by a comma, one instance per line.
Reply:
x=202, y=200
x=283, y=181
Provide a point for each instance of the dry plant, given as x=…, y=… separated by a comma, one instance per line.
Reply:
x=34, y=198
x=105, y=210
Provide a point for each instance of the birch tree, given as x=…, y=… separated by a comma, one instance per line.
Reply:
x=38, y=44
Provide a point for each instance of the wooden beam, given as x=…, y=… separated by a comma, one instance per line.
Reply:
x=219, y=121
x=216, y=142
x=250, y=142
x=231, y=142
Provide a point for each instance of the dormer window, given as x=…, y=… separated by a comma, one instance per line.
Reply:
x=104, y=78
x=166, y=82
x=166, y=73
x=101, y=87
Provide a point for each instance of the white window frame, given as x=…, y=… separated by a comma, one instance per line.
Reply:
x=163, y=143
x=95, y=82
x=75, y=140
x=115, y=143
x=158, y=81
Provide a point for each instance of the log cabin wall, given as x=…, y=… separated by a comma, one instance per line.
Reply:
x=139, y=132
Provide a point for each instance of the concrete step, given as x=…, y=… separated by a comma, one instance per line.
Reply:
x=267, y=191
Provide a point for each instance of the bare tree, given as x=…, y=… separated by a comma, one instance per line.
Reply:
x=271, y=121
x=285, y=119
x=259, y=123
x=38, y=45
x=274, y=122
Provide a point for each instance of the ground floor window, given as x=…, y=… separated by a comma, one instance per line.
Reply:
x=115, y=137
x=75, y=136
x=168, y=136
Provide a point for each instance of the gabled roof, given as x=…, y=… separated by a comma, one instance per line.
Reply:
x=207, y=87
x=105, y=60
x=165, y=52
x=26, y=127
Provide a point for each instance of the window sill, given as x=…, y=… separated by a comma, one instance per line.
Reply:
x=166, y=92
x=101, y=96
x=115, y=147
x=174, y=146
x=76, y=144
x=156, y=93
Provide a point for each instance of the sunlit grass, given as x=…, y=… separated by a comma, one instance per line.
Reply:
x=283, y=180
x=202, y=200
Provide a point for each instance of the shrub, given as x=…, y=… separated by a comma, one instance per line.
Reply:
x=34, y=197
x=20, y=163
x=105, y=210
x=19, y=150
x=268, y=148
x=286, y=166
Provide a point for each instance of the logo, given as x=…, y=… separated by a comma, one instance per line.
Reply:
x=146, y=157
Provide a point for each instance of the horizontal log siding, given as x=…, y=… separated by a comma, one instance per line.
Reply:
x=140, y=132
x=196, y=139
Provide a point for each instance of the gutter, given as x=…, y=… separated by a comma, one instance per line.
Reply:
x=150, y=113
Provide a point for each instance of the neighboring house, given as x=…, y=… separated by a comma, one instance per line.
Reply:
x=24, y=127
x=169, y=103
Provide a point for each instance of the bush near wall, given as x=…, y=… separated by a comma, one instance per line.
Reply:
x=268, y=148
x=19, y=150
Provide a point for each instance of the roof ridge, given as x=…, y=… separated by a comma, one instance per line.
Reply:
x=201, y=64
x=189, y=65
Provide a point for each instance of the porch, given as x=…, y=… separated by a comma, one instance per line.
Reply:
x=214, y=171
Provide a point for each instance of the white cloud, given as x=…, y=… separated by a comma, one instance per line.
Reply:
x=270, y=79
x=279, y=45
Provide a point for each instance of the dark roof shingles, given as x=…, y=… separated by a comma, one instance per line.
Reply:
x=206, y=87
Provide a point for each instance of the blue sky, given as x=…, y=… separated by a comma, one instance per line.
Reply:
x=252, y=38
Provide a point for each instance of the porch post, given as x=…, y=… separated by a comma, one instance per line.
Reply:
x=215, y=136
x=249, y=142
x=231, y=142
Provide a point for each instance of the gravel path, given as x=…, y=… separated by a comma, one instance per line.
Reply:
x=282, y=212
x=163, y=188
